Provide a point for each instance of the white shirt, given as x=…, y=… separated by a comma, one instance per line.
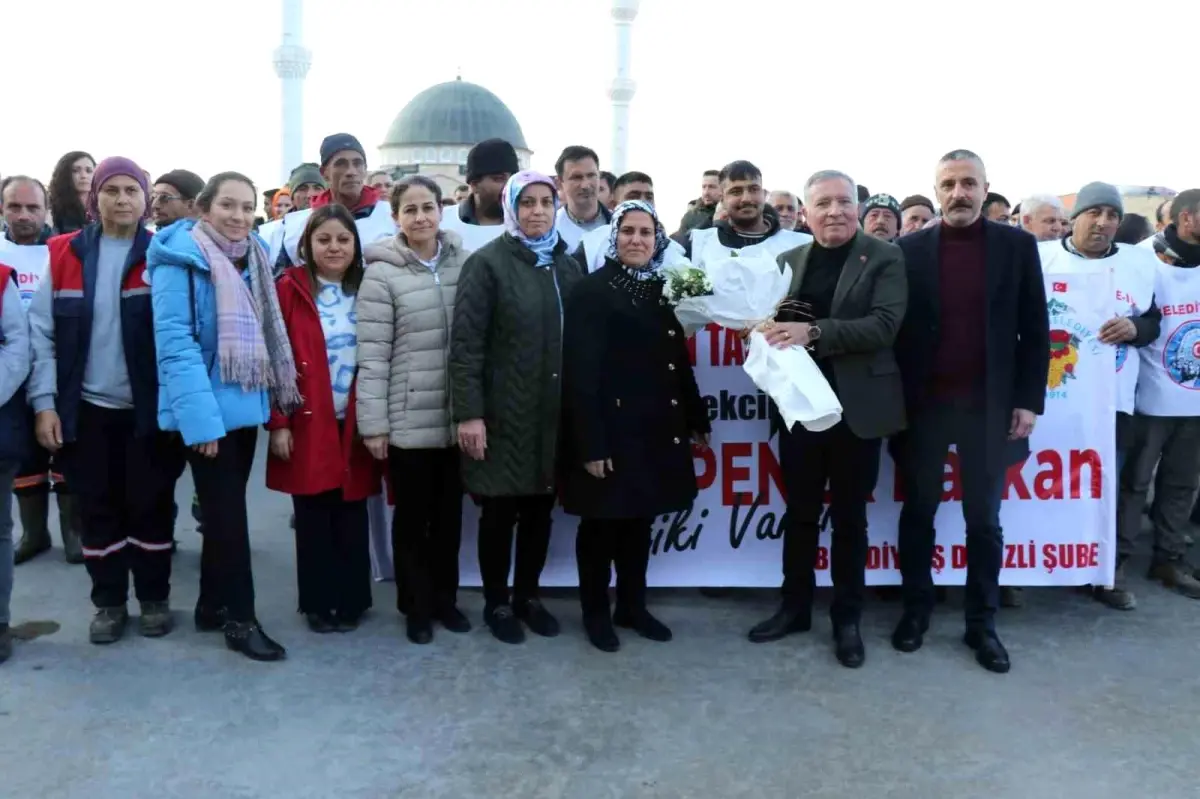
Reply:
x=339, y=322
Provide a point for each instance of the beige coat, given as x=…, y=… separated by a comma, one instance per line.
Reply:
x=404, y=316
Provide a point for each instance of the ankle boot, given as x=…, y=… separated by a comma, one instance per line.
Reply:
x=249, y=639
x=70, y=527
x=35, y=534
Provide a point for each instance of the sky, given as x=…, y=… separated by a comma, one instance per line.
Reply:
x=1052, y=95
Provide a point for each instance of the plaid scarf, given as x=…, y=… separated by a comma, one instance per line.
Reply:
x=252, y=342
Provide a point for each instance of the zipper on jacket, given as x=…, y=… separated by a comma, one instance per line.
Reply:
x=437, y=280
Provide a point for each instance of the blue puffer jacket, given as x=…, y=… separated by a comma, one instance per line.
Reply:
x=192, y=397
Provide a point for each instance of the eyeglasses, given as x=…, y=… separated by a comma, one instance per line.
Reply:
x=163, y=198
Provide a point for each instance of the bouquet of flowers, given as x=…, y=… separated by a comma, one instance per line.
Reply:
x=683, y=281
x=743, y=293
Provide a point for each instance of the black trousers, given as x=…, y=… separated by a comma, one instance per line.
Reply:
x=850, y=466
x=426, y=528
x=601, y=544
x=126, y=490
x=333, y=562
x=928, y=438
x=498, y=515
x=226, y=578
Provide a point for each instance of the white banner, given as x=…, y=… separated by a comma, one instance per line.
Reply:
x=30, y=262
x=1059, y=510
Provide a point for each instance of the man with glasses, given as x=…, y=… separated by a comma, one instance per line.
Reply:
x=174, y=197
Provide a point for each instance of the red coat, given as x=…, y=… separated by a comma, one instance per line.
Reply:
x=321, y=460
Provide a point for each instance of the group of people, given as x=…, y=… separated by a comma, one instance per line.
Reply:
x=516, y=346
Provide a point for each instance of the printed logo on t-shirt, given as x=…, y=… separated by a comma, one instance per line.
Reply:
x=1181, y=355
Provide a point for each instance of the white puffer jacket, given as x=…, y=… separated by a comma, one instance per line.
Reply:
x=405, y=311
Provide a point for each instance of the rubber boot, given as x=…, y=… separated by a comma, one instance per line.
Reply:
x=69, y=524
x=35, y=534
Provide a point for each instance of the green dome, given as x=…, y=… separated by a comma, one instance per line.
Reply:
x=455, y=112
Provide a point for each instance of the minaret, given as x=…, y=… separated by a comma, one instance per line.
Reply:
x=623, y=87
x=292, y=61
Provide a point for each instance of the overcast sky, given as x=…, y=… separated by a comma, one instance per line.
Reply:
x=1052, y=95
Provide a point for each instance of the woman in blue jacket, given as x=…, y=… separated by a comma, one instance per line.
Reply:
x=223, y=362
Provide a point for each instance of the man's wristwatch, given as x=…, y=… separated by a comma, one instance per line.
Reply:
x=814, y=332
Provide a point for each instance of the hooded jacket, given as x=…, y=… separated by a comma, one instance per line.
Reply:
x=192, y=398
x=405, y=314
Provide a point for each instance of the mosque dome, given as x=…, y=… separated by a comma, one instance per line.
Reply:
x=454, y=113
x=432, y=135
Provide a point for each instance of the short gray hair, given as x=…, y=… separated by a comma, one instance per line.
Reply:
x=1031, y=204
x=964, y=155
x=829, y=174
x=782, y=191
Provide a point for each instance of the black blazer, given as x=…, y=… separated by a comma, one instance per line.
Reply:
x=857, y=338
x=1017, y=328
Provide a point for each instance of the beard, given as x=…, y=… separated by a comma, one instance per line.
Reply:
x=488, y=207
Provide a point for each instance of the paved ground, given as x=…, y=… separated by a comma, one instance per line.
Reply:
x=1099, y=704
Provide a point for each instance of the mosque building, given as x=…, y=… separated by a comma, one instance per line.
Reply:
x=433, y=133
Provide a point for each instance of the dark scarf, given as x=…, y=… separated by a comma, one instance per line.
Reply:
x=1177, y=251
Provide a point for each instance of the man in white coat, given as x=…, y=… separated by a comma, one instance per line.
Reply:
x=577, y=173
x=479, y=217
x=1166, y=422
x=1135, y=322
x=344, y=168
x=752, y=226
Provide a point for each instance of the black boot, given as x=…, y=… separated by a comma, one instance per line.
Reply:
x=909, y=634
x=248, y=638
x=786, y=621
x=6, y=643
x=848, y=646
x=320, y=623
x=209, y=620
x=601, y=633
x=419, y=630
x=643, y=623
x=70, y=525
x=503, y=624
x=35, y=533
x=989, y=652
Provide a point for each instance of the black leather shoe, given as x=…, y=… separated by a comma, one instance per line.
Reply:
x=320, y=623
x=419, y=631
x=989, y=652
x=909, y=633
x=347, y=622
x=209, y=620
x=249, y=639
x=601, y=633
x=848, y=645
x=504, y=625
x=782, y=624
x=642, y=623
x=454, y=620
x=537, y=618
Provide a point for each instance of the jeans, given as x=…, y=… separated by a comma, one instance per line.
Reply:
x=8, y=471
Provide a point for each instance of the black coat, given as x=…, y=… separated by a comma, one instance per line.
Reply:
x=629, y=395
x=1017, y=330
x=506, y=364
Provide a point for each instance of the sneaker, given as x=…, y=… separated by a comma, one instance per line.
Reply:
x=504, y=625
x=156, y=620
x=1118, y=597
x=6, y=643
x=108, y=625
x=1011, y=597
x=537, y=618
x=1176, y=574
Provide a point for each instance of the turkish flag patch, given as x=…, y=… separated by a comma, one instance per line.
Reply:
x=1059, y=286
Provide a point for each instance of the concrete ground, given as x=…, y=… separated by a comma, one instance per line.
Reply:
x=1098, y=704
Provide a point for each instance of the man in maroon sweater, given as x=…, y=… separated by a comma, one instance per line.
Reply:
x=974, y=352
